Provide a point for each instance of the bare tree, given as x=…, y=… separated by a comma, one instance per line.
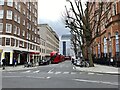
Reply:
x=86, y=24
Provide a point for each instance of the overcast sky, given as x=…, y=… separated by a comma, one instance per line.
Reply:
x=50, y=12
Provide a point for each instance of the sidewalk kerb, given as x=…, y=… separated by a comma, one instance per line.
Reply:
x=100, y=72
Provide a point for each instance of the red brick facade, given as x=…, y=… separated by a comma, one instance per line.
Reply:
x=108, y=44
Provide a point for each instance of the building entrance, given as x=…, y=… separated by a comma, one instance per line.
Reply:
x=7, y=57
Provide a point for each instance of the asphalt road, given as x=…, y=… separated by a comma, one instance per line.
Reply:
x=60, y=75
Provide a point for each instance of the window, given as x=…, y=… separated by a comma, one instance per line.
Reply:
x=27, y=36
x=15, y=17
x=9, y=14
x=1, y=27
x=15, y=29
x=23, y=22
x=23, y=11
x=98, y=50
x=7, y=41
x=10, y=3
x=109, y=45
x=32, y=37
x=105, y=46
x=19, y=7
x=117, y=42
x=23, y=33
x=0, y=41
x=16, y=5
x=8, y=28
x=18, y=19
x=1, y=2
x=1, y=14
x=13, y=42
x=114, y=8
x=18, y=31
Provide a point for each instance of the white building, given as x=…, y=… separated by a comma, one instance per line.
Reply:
x=65, y=45
x=49, y=40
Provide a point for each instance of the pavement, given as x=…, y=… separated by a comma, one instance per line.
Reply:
x=19, y=67
x=99, y=69
x=96, y=69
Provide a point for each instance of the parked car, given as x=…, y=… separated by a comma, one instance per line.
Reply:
x=44, y=62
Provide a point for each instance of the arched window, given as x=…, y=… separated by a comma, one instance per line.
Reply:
x=117, y=42
x=105, y=46
x=98, y=50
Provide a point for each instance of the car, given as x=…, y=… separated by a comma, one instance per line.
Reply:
x=44, y=62
x=67, y=57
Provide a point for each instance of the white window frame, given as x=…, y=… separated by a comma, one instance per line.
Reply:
x=15, y=42
x=23, y=11
x=18, y=19
x=18, y=29
x=9, y=14
x=23, y=22
x=1, y=2
x=23, y=33
x=1, y=14
x=117, y=42
x=1, y=27
x=8, y=29
x=9, y=43
x=15, y=17
x=15, y=29
x=10, y=3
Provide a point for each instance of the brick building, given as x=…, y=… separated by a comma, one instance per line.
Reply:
x=107, y=46
x=19, y=36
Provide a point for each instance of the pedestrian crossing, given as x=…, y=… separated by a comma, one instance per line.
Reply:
x=56, y=72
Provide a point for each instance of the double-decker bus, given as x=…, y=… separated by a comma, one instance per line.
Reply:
x=56, y=57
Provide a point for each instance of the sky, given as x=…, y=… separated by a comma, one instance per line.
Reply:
x=50, y=12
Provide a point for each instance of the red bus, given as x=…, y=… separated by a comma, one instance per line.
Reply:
x=56, y=57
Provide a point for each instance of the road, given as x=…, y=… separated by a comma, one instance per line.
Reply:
x=60, y=75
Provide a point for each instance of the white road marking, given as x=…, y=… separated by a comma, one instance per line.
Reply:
x=26, y=71
x=92, y=81
x=11, y=76
x=73, y=73
x=74, y=68
x=37, y=71
x=57, y=72
x=26, y=77
x=48, y=77
x=65, y=72
x=91, y=73
x=50, y=72
x=99, y=74
x=34, y=77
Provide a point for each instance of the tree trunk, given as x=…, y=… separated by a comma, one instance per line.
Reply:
x=90, y=57
x=83, y=51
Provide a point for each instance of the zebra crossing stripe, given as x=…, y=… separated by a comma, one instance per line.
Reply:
x=37, y=71
x=73, y=73
x=50, y=72
x=99, y=74
x=91, y=73
x=26, y=71
x=57, y=72
x=65, y=72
